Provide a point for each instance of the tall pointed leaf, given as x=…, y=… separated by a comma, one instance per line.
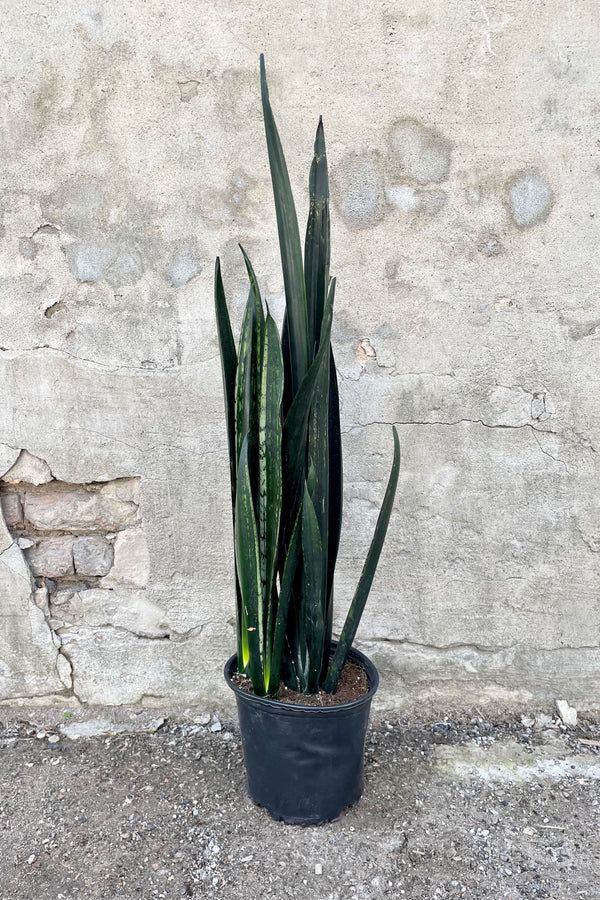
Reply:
x=366, y=579
x=248, y=380
x=253, y=283
x=229, y=369
x=296, y=423
x=269, y=462
x=248, y=566
x=317, y=242
x=287, y=368
x=313, y=581
x=244, y=375
x=285, y=592
x=289, y=242
x=318, y=454
x=334, y=527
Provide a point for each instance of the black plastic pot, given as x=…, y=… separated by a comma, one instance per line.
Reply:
x=304, y=763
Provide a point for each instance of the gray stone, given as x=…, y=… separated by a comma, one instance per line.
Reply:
x=78, y=508
x=100, y=727
x=12, y=510
x=52, y=556
x=100, y=608
x=125, y=490
x=28, y=651
x=28, y=468
x=92, y=555
x=131, y=560
x=8, y=457
x=567, y=713
x=530, y=199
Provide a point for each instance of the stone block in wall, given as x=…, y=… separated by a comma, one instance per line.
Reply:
x=124, y=609
x=78, y=508
x=127, y=490
x=132, y=562
x=28, y=468
x=28, y=651
x=52, y=557
x=92, y=555
x=12, y=509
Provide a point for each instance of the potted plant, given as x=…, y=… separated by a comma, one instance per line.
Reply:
x=303, y=760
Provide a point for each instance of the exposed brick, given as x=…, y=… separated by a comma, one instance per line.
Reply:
x=92, y=555
x=52, y=557
x=78, y=509
x=11, y=509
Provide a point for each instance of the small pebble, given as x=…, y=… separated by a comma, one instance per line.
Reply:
x=216, y=726
x=53, y=739
x=318, y=869
x=31, y=859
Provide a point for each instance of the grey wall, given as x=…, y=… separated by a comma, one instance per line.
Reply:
x=463, y=146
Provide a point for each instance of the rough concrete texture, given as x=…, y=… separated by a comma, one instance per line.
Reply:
x=465, y=201
x=114, y=807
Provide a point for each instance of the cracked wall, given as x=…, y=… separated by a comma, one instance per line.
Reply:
x=465, y=208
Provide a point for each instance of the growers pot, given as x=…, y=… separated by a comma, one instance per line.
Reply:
x=304, y=763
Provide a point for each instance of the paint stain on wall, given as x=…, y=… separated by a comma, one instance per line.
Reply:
x=422, y=152
x=530, y=199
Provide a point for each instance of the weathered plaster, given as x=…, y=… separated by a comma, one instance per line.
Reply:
x=465, y=209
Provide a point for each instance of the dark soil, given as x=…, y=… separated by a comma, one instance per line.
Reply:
x=352, y=685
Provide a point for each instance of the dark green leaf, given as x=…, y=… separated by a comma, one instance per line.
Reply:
x=248, y=567
x=366, y=579
x=289, y=243
x=269, y=461
x=228, y=368
x=318, y=454
x=335, y=493
x=254, y=286
x=296, y=424
x=317, y=241
x=285, y=592
x=312, y=594
x=248, y=381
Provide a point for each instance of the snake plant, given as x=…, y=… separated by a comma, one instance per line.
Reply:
x=285, y=455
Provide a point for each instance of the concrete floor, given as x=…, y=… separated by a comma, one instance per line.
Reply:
x=457, y=806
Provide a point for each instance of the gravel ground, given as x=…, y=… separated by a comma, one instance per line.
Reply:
x=461, y=807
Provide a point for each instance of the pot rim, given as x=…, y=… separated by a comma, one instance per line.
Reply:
x=339, y=708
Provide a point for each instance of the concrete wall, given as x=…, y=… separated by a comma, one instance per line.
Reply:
x=462, y=139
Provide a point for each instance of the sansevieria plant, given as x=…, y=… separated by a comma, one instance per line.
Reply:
x=283, y=427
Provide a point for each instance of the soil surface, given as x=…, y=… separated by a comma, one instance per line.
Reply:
x=456, y=807
x=353, y=685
